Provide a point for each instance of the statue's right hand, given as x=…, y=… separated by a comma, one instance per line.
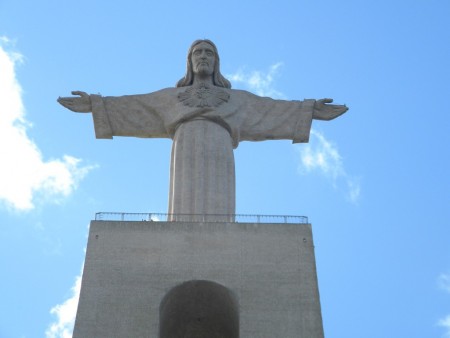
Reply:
x=80, y=104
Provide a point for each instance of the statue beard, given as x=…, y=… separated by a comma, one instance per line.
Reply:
x=204, y=69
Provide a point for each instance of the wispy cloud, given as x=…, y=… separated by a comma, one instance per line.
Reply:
x=445, y=323
x=444, y=284
x=65, y=314
x=260, y=83
x=321, y=155
x=24, y=174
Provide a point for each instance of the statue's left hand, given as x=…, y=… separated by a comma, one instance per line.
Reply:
x=326, y=112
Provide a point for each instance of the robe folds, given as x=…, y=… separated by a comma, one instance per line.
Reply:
x=202, y=174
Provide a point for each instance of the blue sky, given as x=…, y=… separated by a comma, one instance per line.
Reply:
x=374, y=182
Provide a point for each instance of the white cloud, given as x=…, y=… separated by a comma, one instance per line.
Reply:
x=65, y=314
x=24, y=174
x=444, y=282
x=258, y=82
x=445, y=323
x=322, y=156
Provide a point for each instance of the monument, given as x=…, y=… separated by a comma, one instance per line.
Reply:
x=206, y=120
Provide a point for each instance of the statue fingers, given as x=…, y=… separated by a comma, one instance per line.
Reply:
x=79, y=92
x=338, y=110
x=326, y=100
x=341, y=108
x=65, y=101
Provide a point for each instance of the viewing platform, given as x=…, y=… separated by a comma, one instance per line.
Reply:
x=162, y=217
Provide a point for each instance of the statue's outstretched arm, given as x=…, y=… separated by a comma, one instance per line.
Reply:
x=80, y=104
x=326, y=112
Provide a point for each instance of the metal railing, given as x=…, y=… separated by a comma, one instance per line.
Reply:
x=160, y=217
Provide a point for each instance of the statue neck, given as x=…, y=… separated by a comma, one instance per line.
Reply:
x=203, y=79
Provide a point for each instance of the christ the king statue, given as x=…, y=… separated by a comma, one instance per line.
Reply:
x=206, y=120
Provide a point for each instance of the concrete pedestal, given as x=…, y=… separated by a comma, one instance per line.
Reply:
x=268, y=269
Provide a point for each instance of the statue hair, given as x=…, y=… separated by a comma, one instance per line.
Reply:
x=218, y=79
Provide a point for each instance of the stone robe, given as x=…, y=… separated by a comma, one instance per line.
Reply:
x=202, y=174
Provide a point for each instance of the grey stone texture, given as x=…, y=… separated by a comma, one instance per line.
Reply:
x=130, y=267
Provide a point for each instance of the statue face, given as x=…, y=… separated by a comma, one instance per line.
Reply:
x=203, y=59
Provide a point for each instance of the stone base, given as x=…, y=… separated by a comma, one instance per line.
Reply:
x=268, y=269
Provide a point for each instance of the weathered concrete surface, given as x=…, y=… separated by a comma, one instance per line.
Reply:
x=130, y=267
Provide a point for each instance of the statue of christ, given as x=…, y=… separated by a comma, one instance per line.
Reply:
x=206, y=120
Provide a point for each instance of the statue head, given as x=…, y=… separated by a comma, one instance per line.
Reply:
x=218, y=79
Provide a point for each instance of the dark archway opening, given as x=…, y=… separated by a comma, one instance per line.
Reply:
x=197, y=309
